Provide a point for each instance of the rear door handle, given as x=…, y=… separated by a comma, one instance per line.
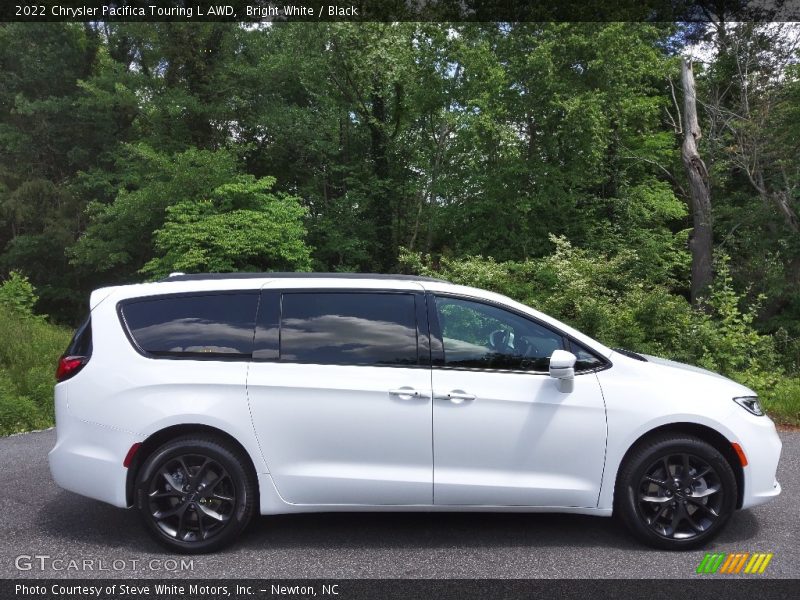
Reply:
x=455, y=396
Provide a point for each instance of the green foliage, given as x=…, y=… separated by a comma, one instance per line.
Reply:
x=28, y=358
x=604, y=297
x=131, y=149
x=648, y=218
x=17, y=294
x=17, y=413
x=782, y=400
x=242, y=227
x=119, y=236
x=737, y=346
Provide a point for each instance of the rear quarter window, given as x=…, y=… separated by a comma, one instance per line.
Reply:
x=219, y=325
x=81, y=343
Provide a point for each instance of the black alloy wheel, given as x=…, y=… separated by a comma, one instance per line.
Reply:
x=675, y=492
x=191, y=497
x=195, y=494
x=680, y=496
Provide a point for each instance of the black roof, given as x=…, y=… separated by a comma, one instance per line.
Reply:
x=204, y=276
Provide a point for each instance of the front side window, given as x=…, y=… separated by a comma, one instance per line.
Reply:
x=348, y=328
x=193, y=326
x=483, y=336
x=585, y=360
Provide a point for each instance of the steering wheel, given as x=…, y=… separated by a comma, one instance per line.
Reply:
x=498, y=340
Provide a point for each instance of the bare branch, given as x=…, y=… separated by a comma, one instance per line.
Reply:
x=679, y=128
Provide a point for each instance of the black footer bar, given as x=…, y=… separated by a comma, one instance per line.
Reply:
x=693, y=586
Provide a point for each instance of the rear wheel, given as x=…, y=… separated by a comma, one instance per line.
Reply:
x=195, y=494
x=675, y=492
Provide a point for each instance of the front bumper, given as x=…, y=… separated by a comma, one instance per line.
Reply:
x=762, y=447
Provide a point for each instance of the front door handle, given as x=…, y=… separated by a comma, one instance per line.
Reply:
x=455, y=396
x=406, y=393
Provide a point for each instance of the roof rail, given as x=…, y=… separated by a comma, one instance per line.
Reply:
x=294, y=275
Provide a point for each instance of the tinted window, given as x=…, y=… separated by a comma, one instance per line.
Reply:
x=198, y=326
x=81, y=343
x=483, y=336
x=349, y=328
x=586, y=360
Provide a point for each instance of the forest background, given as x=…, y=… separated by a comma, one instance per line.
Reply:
x=544, y=161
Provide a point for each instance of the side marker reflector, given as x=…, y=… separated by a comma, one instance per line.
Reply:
x=131, y=453
x=740, y=453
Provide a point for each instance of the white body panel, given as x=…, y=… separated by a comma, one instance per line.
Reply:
x=325, y=437
x=335, y=435
x=641, y=396
x=515, y=443
x=121, y=397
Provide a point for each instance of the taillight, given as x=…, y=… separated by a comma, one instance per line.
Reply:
x=69, y=366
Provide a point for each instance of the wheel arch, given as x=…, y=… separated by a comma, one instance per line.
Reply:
x=708, y=434
x=162, y=436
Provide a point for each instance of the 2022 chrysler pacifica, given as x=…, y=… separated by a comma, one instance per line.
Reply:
x=205, y=399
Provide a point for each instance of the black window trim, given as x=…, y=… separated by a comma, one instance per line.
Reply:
x=204, y=356
x=437, y=343
x=420, y=317
x=268, y=294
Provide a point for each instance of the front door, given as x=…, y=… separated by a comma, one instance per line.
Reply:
x=340, y=395
x=504, y=435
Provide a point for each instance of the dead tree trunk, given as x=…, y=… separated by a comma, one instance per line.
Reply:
x=701, y=240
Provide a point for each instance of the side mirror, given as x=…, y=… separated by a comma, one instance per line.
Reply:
x=562, y=368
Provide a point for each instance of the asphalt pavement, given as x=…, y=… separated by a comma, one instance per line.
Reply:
x=79, y=537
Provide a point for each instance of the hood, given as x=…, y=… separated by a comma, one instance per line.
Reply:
x=683, y=366
x=735, y=388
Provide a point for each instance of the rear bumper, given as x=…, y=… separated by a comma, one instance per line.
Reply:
x=87, y=458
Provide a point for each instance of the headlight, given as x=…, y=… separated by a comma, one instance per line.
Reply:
x=750, y=404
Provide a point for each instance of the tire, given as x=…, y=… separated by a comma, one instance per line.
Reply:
x=675, y=512
x=195, y=494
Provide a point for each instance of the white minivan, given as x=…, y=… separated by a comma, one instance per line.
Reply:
x=204, y=399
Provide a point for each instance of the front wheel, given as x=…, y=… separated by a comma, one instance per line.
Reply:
x=675, y=492
x=195, y=494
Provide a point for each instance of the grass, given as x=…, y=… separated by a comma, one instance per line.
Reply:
x=28, y=355
x=782, y=402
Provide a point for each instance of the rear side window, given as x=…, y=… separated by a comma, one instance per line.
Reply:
x=348, y=328
x=81, y=343
x=193, y=326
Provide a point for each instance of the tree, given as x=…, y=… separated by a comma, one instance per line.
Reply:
x=57, y=120
x=750, y=91
x=190, y=74
x=702, y=238
x=119, y=239
x=757, y=61
x=240, y=227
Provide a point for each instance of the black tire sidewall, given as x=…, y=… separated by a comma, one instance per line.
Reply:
x=634, y=469
x=230, y=460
